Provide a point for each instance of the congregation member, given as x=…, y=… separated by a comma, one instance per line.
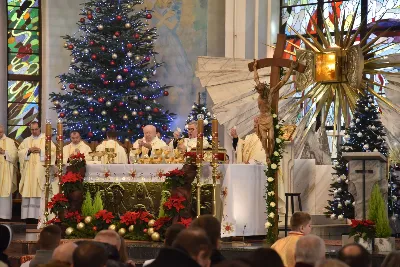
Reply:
x=392, y=260
x=310, y=251
x=91, y=254
x=264, y=257
x=31, y=153
x=76, y=146
x=149, y=142
x=300, y=225
x=355, y=255
x=333, y=263
x=112, y=142
x=62, y=255
x=177, y=136
x=8, y=171
x=5, y=241
x=49, y=239
x=190, y=143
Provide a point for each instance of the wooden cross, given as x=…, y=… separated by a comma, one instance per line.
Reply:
x=276, y=62
x=364, y=172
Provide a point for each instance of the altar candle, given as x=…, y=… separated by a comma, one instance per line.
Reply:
x=214, y=130
x=60, y=141
x=200, y=130
x=47, y=150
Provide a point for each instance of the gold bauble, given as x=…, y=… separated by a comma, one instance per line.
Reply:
x=122, y=231
x=155, y=237
x=69, y=231
x=112, y=227
x=151, y=223
x=88, y=219
x=80, y=226
x=131, y=228
x=150, y=231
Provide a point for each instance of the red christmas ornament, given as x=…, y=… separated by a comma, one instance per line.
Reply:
x=136, y=35
x=132, y=84
x=119, y=18
x=91, y=43
x=82, y=20
x=103, y=76
x=147, y=59
x=129, y=46
x=146, y=98
x=98, y=9
x=94, y=57
x=84, y=91
x=103, y=48
x=112, y=63
x=94, y=228
x=71, y=86
x=106, y=82
x=121, y=104
x=166, y=93
x=112, y=126
x=148, y=16
x=101, y=99
x=90, y=92
x=164, y=127
x=90, y=16
x=90, y=135
x=125, y=70
x=144, y=230
x=70, y=47
x=117, y=34
x=62, y=115
x=91, y=109
x=115, y=109
x=129, y=130
x=156, y=110
x=140, y=113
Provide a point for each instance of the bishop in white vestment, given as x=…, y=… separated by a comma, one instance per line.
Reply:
x=31, y=154
x=111, y=142
x=8, y=174
x=76, y=146
x=149, y=142
x=191, y=142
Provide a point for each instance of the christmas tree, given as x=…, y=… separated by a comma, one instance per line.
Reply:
x=201, y=109
x=109, y=85
x=394, y=192
x=365, y=134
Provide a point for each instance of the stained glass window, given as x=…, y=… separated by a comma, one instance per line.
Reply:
x=24, y=57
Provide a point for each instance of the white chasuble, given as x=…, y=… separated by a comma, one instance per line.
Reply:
x=191, y=143
x=121, y=157
x=156, y=143
x=72, y=149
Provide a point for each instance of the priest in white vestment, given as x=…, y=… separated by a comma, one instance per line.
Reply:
x=8, y=174
x=111, y=142
x=76, y=146
x=173, y=144
x=190, y=143
x=149, y=142
x=31, y=154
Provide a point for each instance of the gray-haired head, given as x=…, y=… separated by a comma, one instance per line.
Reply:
x=310, y=249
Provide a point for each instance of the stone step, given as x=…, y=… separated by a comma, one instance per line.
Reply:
x=323, y=220
x=330, y=231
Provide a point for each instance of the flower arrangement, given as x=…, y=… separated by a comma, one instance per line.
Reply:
x=77, y=161
x=364, y=229
x=174, y=178
x=190, y=157
x=58, y=203
x=71, y=181
x=174, y=205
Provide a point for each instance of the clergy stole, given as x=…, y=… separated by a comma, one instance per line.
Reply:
x=71, y=148
x=32, y=169
x=8, y=169
x=121, y=157
x=250, y=149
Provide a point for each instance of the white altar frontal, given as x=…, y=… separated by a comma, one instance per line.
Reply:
x=241, y=202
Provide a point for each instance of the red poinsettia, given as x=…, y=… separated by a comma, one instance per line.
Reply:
x=160, y=222
x=104, y=215
x=77, y=156
x=134, y=217
x=71, y=177
x=191, y=155
x=186, y=222
x=174, y=173
x=24, y=51
x=364, y=229
x=57, y=199
x=53, y=221
x=74, y=215
x=175, y=201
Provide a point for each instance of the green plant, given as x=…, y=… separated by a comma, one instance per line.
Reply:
x=378, y=214
x=87, y=206
x=97, y=203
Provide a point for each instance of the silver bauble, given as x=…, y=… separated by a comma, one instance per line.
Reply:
x=138, y=126
x=366, y=146
x=72, y=60
x=100, y=27
x=129, y=54
x=149, y=117
x=134, y=113
x=108, y=103
x=125, y=117
x=114, y=56
x=357, y=120
x=360, y=134
x=135, y=97
x=128, y=25
x=366, y=108
x=75, y=112
x=144, y=79
x=137, y=58
x=104, y=113
x=119, y=77
x=148, y=108
x=86, y=51
x=103, y=129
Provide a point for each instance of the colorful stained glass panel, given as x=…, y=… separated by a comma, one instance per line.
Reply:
x=298, y=2
x=34, y=3
x=345, y=10
x=26, y=64
x=23, y=91
x=23, y=19
x=24, y=42
x=299, y=18
x=18, y=132
x=22, y=114
x=384, y=10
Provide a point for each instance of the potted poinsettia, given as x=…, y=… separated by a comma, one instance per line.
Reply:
x=363, y=232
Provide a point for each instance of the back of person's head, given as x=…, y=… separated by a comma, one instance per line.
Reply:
x=172, y=232
x=110, y=237
x=234, y=263
x=392, y=260
x=55, y=263
x=49, y=237
x=310, y=249
x=112, y=134
x=90, y=254
x=211, y=226
x=301, y=222
x=355, y=255
x=5, y=237
x=63, y=253
x=262, y=256
x=332, y=263
x=194, y=241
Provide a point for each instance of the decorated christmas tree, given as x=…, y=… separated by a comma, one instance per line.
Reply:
x=365, y=134
x=394, y=192
x=201, y=109
x=110, y=83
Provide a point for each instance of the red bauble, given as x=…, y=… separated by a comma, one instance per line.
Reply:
x=125, y=70
x=90, y=16
x=129, y=130
x=140, y=113
x=121, y=104
x=166, y=93
x=71, y=86
x=91, y=109
x=145, y=230
x=83, y=91
x=94, y=56
x=118, y=18
x=62, y=115
x=164, y=127
x=90, y=92
x=90, y=135
x=147, y=58
x=103, y=76
x=117, y=34
x=136, y=35
x=98, y=9
x=132, y=84
x=70, y=47
x=106, y=82
x=146, y=98
x=103, y=48
x=94, y=228
x=101, y=99
x=112, y=126
x=156, y=110
x=112, y=63
x=129, y=46
x=148, y=16
x=115, y=109
x=82, y=20
x=91, y=43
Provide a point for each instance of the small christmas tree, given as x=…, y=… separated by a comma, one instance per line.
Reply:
x=201, y=109
x=110, y=83
x=87, y=205
x=394, y=193
x=377, y=213
x=97, y=203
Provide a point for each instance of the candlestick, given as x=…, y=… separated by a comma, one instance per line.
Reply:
x=47, y=149
x=59, y=152
x=199, y=158
x=47, y=165
x=214, y=130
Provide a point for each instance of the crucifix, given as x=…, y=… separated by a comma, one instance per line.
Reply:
x=268, y=100
x=364, y=172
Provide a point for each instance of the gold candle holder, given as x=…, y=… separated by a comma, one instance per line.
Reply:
x=59, y=152
x=199, y=159
x=47, y=165
x=214, y=130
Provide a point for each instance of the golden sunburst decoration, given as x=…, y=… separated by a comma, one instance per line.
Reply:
x=337, y=67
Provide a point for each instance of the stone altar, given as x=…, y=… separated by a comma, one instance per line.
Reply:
x=365, y=170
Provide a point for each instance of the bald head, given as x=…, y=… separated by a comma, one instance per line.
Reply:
x=310, y=249
x=1, y=131
x=149, y=132
x=110, y=237
x=63, y=253
x=355, y=255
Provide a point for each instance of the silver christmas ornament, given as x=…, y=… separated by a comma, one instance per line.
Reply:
x=205, y=122
x=357, y=120
x=208, y=114
x=72, y=60
x=193, y=107
x=89, y=98
x=340, y=217
x=63, y=87
x=148, y=108
x=339, y=206
x=347, y=137
x=86, y=51
x=149, y=117
x=103, y=129
x=144, y=79
x=119, y=78
x=137, y=58
x=114, y=56
x=104, y=113
x=359, y=134
x=149, y=37
x=134, y=113
x=370, y=100
x=56, y=103
x=366, y=108
x=135, y=97
x=129, y=54
x=352, y=124
x=100, y=27
x=154, y=72
x=138, y=126
x=373, y=127
x=79, y=86
x=125, y=117
x=128, y=25
x=366, y=146
x=108, y=103
x=65, y=45
x=75, y=112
